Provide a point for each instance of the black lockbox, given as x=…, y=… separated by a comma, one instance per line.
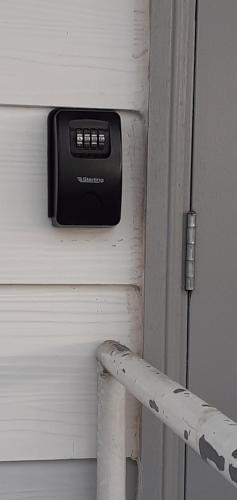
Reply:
x=84, y=167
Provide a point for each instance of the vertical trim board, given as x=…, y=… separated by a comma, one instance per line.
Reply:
x=168, y=197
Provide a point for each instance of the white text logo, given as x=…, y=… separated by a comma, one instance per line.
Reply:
x=90, y=180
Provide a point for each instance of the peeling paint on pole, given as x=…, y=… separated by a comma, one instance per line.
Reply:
x=206, y=430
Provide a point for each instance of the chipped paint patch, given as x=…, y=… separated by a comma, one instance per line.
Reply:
x=177, y=391
x=207, y=452
x=186, y=435
x=233, y=473
x=153, y=405
x=121, y=348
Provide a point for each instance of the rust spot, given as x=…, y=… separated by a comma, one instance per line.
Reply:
x=207, y=452
x=153, y=405
x=124, y=371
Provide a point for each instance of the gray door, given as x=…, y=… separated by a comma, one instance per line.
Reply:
x=213, y=308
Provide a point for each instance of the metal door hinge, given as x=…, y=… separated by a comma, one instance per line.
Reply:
x=190, y=251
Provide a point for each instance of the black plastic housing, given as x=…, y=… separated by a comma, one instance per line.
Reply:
x=84, y=182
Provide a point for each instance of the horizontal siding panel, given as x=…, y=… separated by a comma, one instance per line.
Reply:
x=60, y=480
x=74, y=53
x=48, y=340
x=31, y=249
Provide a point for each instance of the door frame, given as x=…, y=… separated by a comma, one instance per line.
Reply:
x=172, y=58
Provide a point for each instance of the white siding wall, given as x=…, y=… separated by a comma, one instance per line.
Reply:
x=31, y=250
x=63, y=291
x=48, y=339
x=60, y=480
x=74, y=53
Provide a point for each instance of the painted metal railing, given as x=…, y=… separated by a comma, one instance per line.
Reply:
x=206, y=430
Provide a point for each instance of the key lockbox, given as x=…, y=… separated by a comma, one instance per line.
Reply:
x=84, y=167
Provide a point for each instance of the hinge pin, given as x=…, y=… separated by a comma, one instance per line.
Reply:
x=190, y=251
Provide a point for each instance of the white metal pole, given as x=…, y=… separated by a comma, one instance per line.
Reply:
x=111, y=438
x=210, y=433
